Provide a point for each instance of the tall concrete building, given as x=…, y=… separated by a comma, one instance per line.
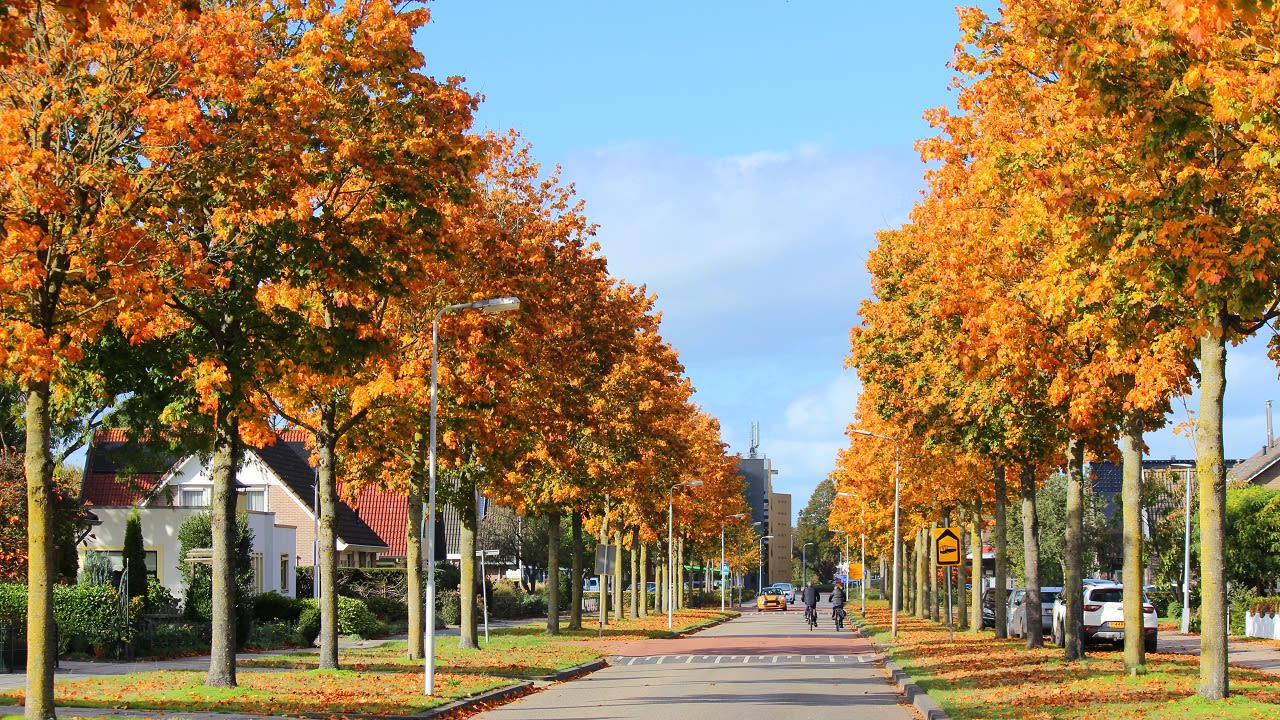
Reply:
x=773, y=512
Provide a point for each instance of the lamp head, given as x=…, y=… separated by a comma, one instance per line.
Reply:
x=497, y=305
x=692, y=483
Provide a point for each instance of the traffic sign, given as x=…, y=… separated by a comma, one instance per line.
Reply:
x=606, y=558
x=724, y=569
x=946, y=545
x=855, y=571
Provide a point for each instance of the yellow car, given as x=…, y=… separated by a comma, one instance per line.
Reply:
x=771, y=599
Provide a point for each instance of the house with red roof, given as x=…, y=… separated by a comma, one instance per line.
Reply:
x=276, y=485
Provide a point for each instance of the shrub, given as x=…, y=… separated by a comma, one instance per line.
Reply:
x=269, y=606
x=13, y=604
x=308, y=627
x=134, y=557
x=1239, y=600
x=355, y=619
x=271, y=634
x=449, y=606
x=88, y=611
x=533, y=604
x=388, y=609
x=505, y=602
x=1265, y=606
x=159, y=599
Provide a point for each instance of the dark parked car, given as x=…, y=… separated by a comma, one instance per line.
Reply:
x=989, y=608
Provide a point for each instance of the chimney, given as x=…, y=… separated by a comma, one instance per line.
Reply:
x=1270, y=437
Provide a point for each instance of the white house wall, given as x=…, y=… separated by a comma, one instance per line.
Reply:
x=272, y=543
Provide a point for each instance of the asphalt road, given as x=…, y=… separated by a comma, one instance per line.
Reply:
x=759, y=666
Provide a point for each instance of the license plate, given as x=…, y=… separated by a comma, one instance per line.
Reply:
x=1116, y=625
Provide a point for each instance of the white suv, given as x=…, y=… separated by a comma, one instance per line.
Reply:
x=1104, y=616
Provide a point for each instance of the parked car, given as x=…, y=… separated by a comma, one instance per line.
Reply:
x=1016, y=617
x=788, y=590
x=1104, y=616
x=591, y=584
x=771, y=598
x=989, y=608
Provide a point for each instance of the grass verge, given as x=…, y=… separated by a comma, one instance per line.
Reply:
x=272, y=693
x=978, y=676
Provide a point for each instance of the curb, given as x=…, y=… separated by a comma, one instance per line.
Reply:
x=704, y=626
x=916, y=697
x=496, y=695
x=566, y=674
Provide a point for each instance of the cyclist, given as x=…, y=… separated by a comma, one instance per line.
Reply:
x=809, y=595
x=837, y=604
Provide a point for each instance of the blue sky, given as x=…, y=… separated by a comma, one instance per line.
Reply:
x=739, y=157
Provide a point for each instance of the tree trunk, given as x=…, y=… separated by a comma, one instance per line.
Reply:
x=962, y=605
x=1031, y=607
x=922, y=569
x=1135, y=659
x=637, y=582
x=678, y=574
x=934, y=613
x=1002, y=554
x=617, y=575
x=467, y=527
x=222, y=524
x=1212, y=480
x=1073, y=583
x=42, y=648
x=414, y=561
x=553, y=573
x=326, y=442
x=575, y=584
x=975, y=567
x=644, y=576
x=660, y=590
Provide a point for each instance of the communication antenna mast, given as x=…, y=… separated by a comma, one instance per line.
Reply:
x=755, y=439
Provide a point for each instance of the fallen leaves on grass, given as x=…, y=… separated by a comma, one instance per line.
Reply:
x=977, y=676
x=273, y=693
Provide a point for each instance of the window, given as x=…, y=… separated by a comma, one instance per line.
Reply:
x=255, y=500
x=256, y=561
x=117, y=562
x=194, y=497
x=284, y=574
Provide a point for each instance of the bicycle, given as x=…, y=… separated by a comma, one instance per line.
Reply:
x=811, y=617
x=838, y=615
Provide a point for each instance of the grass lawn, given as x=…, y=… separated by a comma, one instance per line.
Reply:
x=376, y=680
x=272, y=693
x=523, y=651
x=978, y=676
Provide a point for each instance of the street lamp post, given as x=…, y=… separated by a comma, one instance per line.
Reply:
x=490, y=306
x=760, y=572
x=671, y=553
x=723, y=574
x=897, y=543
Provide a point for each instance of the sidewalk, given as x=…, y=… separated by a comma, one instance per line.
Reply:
x=1256, y=654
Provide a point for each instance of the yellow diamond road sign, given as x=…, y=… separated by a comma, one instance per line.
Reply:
x=946, y=545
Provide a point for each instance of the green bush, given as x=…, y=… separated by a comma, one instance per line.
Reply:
x=13, y=604
x=159, y=599
x=271, y=634
x=308, y=627
x=449, y=606
x=1239, y=599
x=387, y=609
x=89, y=612
x=505, y=602
x=354, y=618
x=271, y=606
x=533, y=604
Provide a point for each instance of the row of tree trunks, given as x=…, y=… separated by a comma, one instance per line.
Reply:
x=1031, y=557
